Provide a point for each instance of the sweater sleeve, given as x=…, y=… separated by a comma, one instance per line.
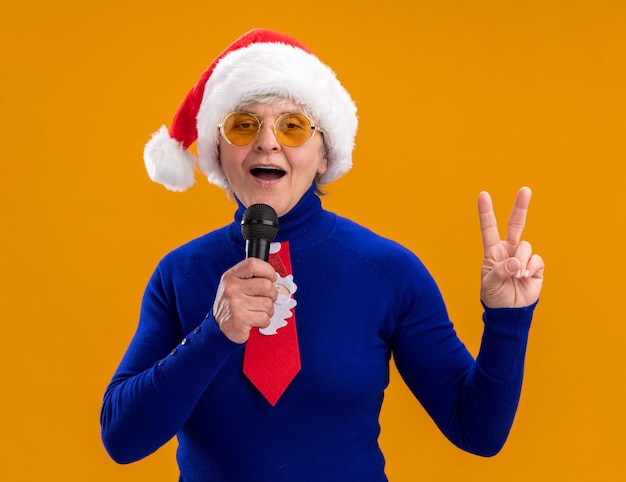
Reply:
x=160, y=378
x=472, y=401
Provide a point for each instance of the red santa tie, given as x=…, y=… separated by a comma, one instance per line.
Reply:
x=272, y=361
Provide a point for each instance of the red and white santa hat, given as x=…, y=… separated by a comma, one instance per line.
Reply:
x=259, y=62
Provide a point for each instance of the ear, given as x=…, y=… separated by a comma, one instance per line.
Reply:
x=323, y=166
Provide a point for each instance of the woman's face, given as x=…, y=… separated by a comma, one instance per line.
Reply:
x=267, y=172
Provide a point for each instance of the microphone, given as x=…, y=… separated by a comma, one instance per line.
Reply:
x=259, y=227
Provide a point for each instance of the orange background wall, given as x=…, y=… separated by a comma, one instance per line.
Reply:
x=483, y=95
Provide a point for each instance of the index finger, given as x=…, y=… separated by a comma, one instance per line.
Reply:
x=253, y=268
x=517, y=220
x=488, y=223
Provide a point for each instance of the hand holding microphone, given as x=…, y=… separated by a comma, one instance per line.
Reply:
x=246, y=293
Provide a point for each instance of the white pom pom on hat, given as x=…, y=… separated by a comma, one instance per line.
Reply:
x=259, y=62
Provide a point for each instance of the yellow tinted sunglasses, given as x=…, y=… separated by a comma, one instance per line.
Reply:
x=291, y=129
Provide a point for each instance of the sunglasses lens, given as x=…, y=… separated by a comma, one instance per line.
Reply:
x=293, y=130
x=240, y=128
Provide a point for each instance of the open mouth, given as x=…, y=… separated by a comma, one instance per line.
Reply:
x=267, y=173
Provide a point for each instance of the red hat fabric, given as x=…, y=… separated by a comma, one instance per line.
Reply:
x=259, y=62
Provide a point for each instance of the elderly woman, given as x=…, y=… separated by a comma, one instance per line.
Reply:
x=275, y=370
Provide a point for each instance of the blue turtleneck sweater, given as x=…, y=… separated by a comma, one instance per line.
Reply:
x=360, y=300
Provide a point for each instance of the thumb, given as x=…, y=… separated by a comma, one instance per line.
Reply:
x=504, y=270
x=509, y=267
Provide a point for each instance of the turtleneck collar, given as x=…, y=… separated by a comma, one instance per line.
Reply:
x=306, y=223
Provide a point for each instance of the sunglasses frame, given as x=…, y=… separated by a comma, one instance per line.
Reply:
x=314, y=128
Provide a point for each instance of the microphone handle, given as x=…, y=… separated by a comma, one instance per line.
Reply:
x=258, y=248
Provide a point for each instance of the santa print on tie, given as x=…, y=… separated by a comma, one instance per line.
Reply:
x=272, y=357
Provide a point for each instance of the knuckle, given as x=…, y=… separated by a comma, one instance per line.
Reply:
x=265, y=322
x=268, y=285
x=228, y=291
x=269, y=306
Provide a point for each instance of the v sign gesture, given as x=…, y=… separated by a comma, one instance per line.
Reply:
x=512, y=275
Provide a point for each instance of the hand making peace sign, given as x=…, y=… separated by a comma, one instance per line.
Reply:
x=512, y=275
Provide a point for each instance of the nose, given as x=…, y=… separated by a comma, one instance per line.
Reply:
x=266, y=140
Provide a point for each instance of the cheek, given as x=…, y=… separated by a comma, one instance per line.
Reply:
x=228, y=158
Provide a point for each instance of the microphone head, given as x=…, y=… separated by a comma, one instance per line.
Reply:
x=259, y=222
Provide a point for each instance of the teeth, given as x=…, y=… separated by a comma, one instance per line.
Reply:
x=266, y=169
x=267, y=172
